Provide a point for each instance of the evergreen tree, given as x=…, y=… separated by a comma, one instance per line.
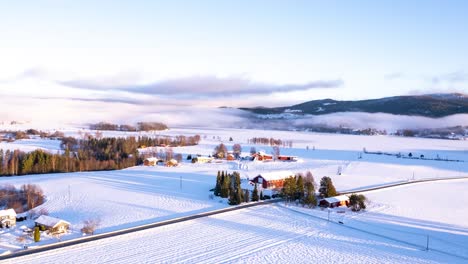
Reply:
x=255, y=194
x=309, y=198
x=357, y=202
x=37, y=234
x=246, y=196
x=217, y=190
x=299, y=188
x=289, y=189
x=225, y=185
x=232, y=198
x=239, y=195
x=326, y=188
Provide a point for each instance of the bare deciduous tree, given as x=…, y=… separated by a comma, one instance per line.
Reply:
x=89, y=226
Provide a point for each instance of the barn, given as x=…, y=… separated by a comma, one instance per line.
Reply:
x=272, y=180
x=335, y=201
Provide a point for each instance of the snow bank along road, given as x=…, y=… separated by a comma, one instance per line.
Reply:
x=131, y=230
x=264, y=234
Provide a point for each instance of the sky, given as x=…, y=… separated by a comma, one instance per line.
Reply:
x=60, y=57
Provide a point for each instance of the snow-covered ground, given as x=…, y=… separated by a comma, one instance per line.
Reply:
x=141, y=195
x=266, y=234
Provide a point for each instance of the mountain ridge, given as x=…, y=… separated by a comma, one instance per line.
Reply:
x=427, y=105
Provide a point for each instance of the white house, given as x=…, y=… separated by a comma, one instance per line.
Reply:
x=7, y=218
x=54, y=225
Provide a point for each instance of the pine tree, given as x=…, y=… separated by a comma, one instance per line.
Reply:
x=357, y=202
x=225, y=185
x=246, y=196
x=239, y=195
x=326, y=188
x=217, y=190
x=309, y=198
x=299, y=188
x=232, y=198
x=37, y=234
x=255, y=194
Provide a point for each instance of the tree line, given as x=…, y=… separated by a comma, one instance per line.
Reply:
x=23, y=199
x=270, y=141
x=177, y=141
x=140, y=126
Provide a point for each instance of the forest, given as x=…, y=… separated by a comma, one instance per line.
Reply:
x=91, y=154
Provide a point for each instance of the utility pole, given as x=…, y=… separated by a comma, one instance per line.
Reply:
x=427, y=243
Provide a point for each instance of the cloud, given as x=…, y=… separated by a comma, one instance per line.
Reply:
x=451, y=78
x=394, y=76
x=206, y=86
x=99, y=100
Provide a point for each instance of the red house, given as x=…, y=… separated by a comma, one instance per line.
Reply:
x=272, y=180
x=335, y=201
x=262, y=156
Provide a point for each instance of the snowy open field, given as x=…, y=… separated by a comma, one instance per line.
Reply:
x=267, y=234
x=141, y=195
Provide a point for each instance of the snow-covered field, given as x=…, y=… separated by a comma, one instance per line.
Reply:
x=266, y=234
x=141, y=195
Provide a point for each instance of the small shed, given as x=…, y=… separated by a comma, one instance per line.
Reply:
x=272, y=180
x=335, y=201
x=7, y=218
x=52, y=224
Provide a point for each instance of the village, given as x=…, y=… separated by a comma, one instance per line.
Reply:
x=34, y=224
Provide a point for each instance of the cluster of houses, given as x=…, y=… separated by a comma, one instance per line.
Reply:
x=230, y=156
x=155, y=161
x=44, y=222
x=276, y=179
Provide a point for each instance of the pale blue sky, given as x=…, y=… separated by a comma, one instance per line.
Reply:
x=357, y=49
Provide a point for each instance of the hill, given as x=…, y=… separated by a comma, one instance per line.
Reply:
x=431, y=105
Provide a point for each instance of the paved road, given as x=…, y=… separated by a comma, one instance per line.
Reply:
x=192, y=217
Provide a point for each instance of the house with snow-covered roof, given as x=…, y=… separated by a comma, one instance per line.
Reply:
x=334, y=201
x=262, y=156
x=272, y=180
x=52, y=224
x=7, y=218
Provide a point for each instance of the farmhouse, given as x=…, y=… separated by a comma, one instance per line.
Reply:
x=150, y=161
x=272, y=180
x=334, y=201
x=52, y=224
x=262, y=156
x=7, y=218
